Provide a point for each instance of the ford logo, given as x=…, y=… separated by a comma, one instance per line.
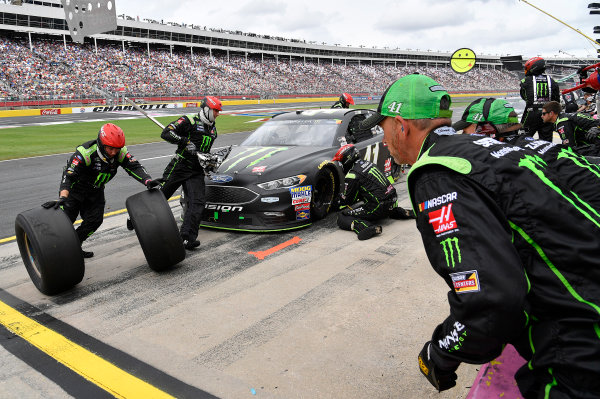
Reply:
x=269, y=200
x=221, y=178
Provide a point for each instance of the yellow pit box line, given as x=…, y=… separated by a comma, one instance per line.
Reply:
x=85, y=363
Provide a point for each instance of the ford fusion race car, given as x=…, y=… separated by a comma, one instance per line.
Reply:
x=282, y=177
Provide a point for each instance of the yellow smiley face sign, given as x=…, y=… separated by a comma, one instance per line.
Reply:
x=463, y=60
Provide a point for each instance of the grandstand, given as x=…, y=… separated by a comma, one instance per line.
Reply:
x=156, y=60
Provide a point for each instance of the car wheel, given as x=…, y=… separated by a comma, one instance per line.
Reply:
x=50, y=249
x=156, y=229
x=322, y=195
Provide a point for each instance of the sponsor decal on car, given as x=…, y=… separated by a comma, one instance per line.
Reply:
x=464, y=282
x=224, y=208
x=221, y=178
x=442, y=199
x=259, y=169
x=302, y=215
x=302, y=207
x=269, y=200
x=443, y=220
x=301, y=195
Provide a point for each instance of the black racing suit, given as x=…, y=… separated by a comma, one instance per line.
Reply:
x=570, y=103
x=85, y=176
x=572, y=128
x=536, y=91
x=489, y=213
x=550, y=151
x=185, y=168
x=365, y=183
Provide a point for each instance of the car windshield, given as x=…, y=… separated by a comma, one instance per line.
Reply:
x=301, y=132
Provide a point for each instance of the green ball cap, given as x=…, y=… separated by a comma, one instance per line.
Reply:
x=411, y=97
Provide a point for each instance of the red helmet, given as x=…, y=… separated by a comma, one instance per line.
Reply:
x=111, y=135
x=346, y=99
x=207, y=108
x=347, y=155
x=535, y=66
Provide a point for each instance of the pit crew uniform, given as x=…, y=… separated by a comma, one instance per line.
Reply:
x=572, y=128
x=184, y=168
x=516, y=275
x=85, y=176
x=365, y=182
x=537, y=90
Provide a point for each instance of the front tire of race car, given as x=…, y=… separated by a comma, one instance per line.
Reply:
x=50, y=249
x=156, y=229
x=323, y=194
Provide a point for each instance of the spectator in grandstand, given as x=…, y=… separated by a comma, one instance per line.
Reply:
x=576, y=129
x=537, y=88
x=94, y=164
x=344, y=102
x=589, y=105
x=191, y=133
x=365, y=183
x=487, y=215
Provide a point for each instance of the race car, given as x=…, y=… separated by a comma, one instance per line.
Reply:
x=282, y=176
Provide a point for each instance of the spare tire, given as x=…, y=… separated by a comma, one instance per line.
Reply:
x=50, y=249
x=156, y=229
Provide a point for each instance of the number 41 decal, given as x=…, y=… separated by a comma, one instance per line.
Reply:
x=372, y=153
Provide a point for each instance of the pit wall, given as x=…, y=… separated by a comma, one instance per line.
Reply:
x=192, y=104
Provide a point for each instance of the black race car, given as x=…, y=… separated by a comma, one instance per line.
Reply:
x=282, y=177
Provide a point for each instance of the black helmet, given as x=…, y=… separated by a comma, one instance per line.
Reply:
x=535, y=66
x=347, y=155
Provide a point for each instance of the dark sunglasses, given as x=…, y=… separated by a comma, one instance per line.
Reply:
x=544, y=113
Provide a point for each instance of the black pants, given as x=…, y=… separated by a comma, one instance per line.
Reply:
x=91, y=207
x=561, y=383
x=178, y=174
x=533, y=123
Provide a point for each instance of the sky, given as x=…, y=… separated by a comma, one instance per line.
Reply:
x=502, y=27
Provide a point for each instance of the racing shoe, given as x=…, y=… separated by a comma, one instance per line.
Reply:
x=191, y=245
x=87, y=254
x=129, y=224
x=369, y=232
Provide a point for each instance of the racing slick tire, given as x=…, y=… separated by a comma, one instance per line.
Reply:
x=323, y=194
x=156, y=229
x=50, y=249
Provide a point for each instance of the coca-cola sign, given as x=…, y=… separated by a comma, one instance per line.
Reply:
x=52, y=111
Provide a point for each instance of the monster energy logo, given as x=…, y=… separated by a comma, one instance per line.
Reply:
x=102, y=179
x=542, y=89
x=377, y=174
x=206, y=143
x=451, y=246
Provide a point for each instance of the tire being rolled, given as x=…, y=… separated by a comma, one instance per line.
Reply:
x=50, y=249
x=323, y=194
x=156, y=229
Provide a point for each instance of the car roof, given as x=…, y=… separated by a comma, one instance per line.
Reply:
x=328, y=113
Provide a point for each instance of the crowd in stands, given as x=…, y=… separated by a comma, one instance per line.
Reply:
x=51, y=70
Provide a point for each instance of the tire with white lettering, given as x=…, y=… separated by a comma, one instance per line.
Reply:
x=323, y=192
x=50, y=249
x=156, y=229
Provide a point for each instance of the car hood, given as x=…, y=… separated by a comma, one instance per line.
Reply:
x=276, y=161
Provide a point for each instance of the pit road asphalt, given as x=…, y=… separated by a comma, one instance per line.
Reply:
x=325, y=317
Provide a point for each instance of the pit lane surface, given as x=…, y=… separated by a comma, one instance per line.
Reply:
x=325, y=317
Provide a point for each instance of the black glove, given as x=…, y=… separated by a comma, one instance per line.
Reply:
x=191, y=148
x=54, y=204
x=440, y=379
x=150, y=183
x=400, y=213
x=592, y=134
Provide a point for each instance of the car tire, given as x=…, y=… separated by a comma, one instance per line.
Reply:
x=156, y=229
x=323, y=192
x=50, y=249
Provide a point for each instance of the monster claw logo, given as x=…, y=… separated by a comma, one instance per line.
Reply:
x=452, y=251
x=102, y=179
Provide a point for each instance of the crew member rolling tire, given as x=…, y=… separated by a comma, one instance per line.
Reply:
x=156, y=229
x=50, y=249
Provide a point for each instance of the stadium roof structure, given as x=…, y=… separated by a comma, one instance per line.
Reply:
x=47, y=17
